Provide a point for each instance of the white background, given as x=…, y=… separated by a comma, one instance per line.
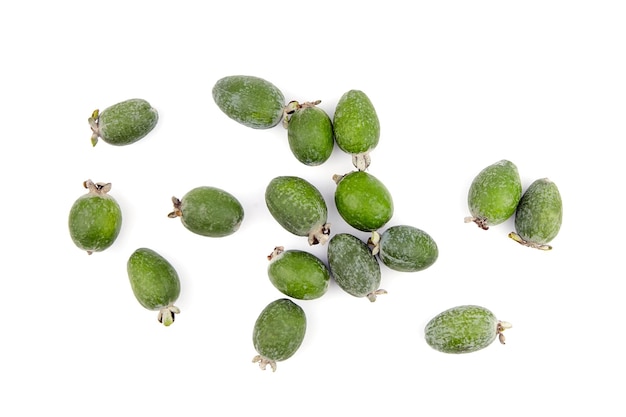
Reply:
x=457, y=85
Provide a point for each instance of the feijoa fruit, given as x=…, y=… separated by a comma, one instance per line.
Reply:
x=539, y=215
x=299, y=207
x=155, y=283
x=250, y=101
x=464, y=329
x=353, y=267
x=278, y=332
x=297, y=273
x=404, y=248
x=209, y=211
x=494, y=194
x=123, y=123
x=309, y=132
x=363, y=201
x=95, y=218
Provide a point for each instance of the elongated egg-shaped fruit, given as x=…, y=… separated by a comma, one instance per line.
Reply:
x=123, y=123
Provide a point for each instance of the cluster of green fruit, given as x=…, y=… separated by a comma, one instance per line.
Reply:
x=298, y=206
x=496, y=194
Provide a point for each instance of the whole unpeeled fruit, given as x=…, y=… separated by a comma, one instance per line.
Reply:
x=494, y=194
x=464, y=329
x=123, y=123
x=155, y=283
x=405, y=248
x=250, y=101
x=278, y=332
x=310, y=133
x=209, y=211
x=298, y=274
x=539, y=215
x=95, y=219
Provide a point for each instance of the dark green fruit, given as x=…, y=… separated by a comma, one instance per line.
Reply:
x=209, y=211
x=363, y=201
x=464, y=329
x=405, y=248
x=494, y=194
x=298, y=207
x=155, y=283
x=310, y=133
x=123, y=123
x=278, y=332
x=251, y=101
x=356, y=125
x=95, y=218
x=539, y=215
x=353, y=266
x=298, y=274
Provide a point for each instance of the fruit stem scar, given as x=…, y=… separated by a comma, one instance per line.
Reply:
x=99, y=188
x=372, y=296
x=263, y=362
x=277, y=251
x=177, y=211
x=93, y=123
x=502, y=326
x=374, y=242
x=320, y=236
x=529, y=244
x=361, y=161
x=167, y=315
x=480, y=221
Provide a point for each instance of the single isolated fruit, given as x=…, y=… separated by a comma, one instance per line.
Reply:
x=298, y=207
x=404, y=248
x=298, y=274
x=95, y=218
x=309, y=132
x=464, y=329
x=123, y=123
x=494, y=194
x=357, y=128
x=209, y=211
x=155, y=283
x=250, y=101
x=353, y=266
x=363, y=201
x=539, y=215
x=278, y=332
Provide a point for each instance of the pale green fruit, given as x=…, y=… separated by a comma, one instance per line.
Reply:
x=310, y=133
x=464, y=329
x=404, y=248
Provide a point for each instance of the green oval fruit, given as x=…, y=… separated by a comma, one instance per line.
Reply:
x=251, y=101
x=278, y=332
x=310, y=134
x=363, y=201
x=539, y=215
x=298, y=274
x=353, y=267
x=464, y=329
x=405, y=248
x=95, y=218
x=356, y=125
x=298, y=207
x=209, y=211
x=155, y=283
x=494, y=194
x=123, y=123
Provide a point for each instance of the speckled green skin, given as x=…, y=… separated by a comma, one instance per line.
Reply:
x=279, y=330
x=363, y=201
x=310, y=135
x=299, y=274
x=251, y=101
x=210, y=211
x=356, y=124
x=494, y=193
x=127, y=122
x=352, y=265
x=95, y=221
x=540, y=212
x=462, y=329
x=296, y=205
x=153, y=279
x=407, y=249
